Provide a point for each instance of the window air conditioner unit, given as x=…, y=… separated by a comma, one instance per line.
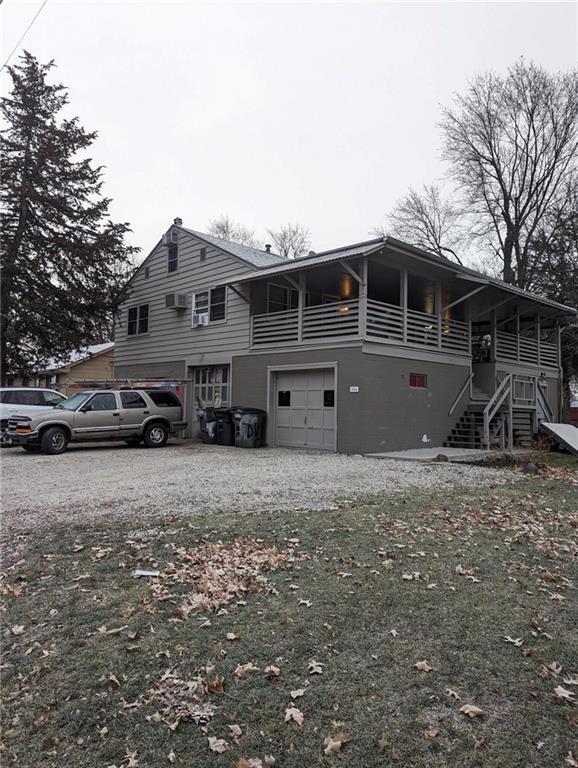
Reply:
x=176, y=301
x=199, y=320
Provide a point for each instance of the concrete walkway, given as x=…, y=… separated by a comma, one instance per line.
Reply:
x=453, y=454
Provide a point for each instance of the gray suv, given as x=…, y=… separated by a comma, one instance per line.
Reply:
x=149, y=416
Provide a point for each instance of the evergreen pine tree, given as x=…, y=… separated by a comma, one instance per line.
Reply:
x=64, y=263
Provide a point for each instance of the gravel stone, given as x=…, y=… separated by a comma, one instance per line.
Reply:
x=90, y=483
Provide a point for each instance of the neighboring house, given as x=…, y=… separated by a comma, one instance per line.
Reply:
x=371, y=347
x=92, y=365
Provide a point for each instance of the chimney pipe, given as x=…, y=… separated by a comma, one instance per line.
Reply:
x=178, y=221
x=268, y=247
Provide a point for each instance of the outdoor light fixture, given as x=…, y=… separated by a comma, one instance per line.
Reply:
x=343, y=310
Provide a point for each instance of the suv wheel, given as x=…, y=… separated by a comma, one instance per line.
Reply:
x=156, y=435
x=54, y=440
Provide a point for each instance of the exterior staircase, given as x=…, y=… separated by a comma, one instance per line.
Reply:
x=469, y=429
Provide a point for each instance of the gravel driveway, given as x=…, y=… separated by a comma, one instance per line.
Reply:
x=93, y=482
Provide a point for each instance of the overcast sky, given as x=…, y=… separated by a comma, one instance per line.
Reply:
x=319, y=113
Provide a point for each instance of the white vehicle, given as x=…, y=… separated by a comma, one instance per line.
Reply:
x=24, y=401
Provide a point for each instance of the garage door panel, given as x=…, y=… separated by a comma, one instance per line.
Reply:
x=304, y=412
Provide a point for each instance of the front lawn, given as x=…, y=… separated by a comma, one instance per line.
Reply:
x=314, y=618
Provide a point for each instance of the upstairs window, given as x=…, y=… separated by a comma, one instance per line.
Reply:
x=173, y=257
x=138, y=320
x=217, y=302
x=210, y=306
x=280, y=298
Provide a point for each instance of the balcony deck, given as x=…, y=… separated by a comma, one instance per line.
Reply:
x=379, y=322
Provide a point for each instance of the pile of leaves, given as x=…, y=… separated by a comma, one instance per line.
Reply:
x=221, y=572
x=180, y=699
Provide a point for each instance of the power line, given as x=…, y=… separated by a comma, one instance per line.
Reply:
x=24, y=34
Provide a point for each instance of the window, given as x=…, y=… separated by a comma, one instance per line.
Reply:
x=280, y=298
x=147, y=273
x=74, y=401
x=138, y=320
x=211, y=386
x=218, y=301
x=203, y=255
x=284, y=398
x=173, y=257
x=329, y=398
x=132, y=400
x=163, y=399
x=105, y=401
x=53, y=398
x=23, y=397
x=418, y=380
x=211, y=305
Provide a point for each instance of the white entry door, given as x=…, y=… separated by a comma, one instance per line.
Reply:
x=305, y=409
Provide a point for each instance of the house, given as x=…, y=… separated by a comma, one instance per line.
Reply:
x=92, y=365
x=371, y=347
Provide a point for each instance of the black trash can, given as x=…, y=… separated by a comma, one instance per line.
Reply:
x=225, y=428
x=249, y=427
x=208, y=425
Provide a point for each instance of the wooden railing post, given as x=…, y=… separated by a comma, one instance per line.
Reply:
x=517, y=335
x=301, y=305
x=438, y=310
x=403, y=300
x=538, y=333
x=362, y=319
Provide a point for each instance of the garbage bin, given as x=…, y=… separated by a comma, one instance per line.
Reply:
x=208, y=425
x=225, y=428
x=249, y=427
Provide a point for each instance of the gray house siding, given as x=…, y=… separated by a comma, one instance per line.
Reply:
x=385, y=414
x=171, y=342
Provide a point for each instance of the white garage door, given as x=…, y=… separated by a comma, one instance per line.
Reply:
x=305, y=409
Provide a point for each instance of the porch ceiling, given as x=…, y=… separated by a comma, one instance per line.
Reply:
x=411, y=253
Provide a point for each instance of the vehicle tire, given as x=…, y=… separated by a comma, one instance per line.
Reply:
x=156, y=435
x=54, y=441
x=32, y=448
x=136, y=440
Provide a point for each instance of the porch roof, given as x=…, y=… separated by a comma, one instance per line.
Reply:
x=372, y=246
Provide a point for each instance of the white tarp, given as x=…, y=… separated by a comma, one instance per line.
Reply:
x=565, y=434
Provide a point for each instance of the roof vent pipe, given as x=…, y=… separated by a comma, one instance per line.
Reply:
x=268, y=247
x=178, y=221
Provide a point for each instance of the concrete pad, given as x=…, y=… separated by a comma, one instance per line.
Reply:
x=453, y=454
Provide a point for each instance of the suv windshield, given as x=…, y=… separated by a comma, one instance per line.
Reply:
x=74, y=402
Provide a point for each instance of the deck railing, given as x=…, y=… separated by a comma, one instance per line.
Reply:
x=389, y=324
x=521, y=349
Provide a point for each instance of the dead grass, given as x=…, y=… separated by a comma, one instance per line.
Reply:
x=110, y=670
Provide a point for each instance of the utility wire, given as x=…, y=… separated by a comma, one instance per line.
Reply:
x=24, y=35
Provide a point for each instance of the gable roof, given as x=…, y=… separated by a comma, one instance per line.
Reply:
x=370, y=246
x=78, y=356
x=254, y=256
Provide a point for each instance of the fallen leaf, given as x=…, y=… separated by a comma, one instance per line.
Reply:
x=297, y=693
x=393, y=632
x=306, y=603
x=315, y=668
x=217, y=745
x=171, y=756
x=431, y=733
x=292, y=713
x=423, y=666
x=242, y=670
x=272, y=671
x=570, y=761
x=517, y=641
x=564, y=694
x=17, y=629
x=453, y=694
x=471, y=710
x=236, y=731
x=332, y=744
x=231, y=636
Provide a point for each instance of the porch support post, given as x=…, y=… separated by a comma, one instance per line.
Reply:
x=438, y=311
x=362, y=321
x=302, y=289
x=403, y=300
x=538, y=334
x=517, y=334
x=494, y=332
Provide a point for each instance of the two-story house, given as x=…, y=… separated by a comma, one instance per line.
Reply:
x=371, y=347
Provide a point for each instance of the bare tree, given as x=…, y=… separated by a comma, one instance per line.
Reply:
x=425, y=220
x=511, y=143
x=225, y=228
x=291, y=240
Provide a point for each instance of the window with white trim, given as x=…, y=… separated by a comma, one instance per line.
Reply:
x=209, y=306
x=173, y=257
x=280, y=298
x=210, y=387
x=138, y=320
